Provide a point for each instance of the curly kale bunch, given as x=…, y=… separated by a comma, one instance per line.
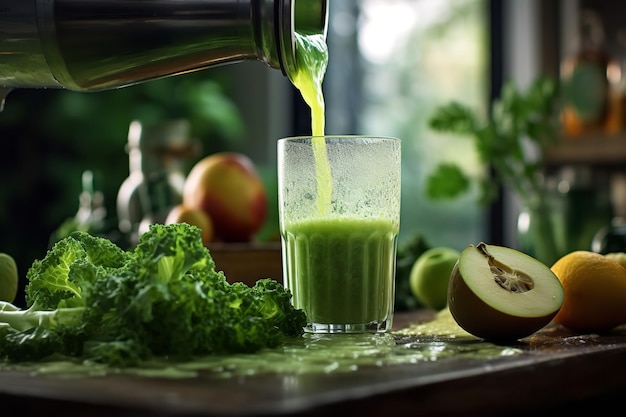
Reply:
x=91, y=300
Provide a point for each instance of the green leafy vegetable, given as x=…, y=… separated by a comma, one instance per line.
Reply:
x=517, y=120
x=407, y=254
x=91, y=300
x=447, y=181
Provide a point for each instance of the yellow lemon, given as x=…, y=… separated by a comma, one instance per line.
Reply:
x=595, y=292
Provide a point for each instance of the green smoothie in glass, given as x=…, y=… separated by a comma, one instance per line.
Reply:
x=342, y=271
x=339, y=203
x=339, y=256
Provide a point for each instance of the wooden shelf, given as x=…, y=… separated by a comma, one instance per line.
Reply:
x=590, y=150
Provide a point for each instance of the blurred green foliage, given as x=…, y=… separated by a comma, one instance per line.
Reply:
x=50, y=137
x=517, y=119
x=408, y=252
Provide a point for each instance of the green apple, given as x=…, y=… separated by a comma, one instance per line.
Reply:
x=430, y=275
x=8, y=278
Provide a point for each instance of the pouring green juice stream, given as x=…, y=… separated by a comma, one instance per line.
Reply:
x=340, y=268
x=312, y=60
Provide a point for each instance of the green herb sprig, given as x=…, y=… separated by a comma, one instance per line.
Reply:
x=517, y=119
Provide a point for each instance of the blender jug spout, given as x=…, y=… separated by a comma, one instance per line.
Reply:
x=91, y=45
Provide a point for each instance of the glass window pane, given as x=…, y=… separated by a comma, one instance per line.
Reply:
x=392, y=62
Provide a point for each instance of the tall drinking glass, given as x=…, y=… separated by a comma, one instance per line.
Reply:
x=339, y=208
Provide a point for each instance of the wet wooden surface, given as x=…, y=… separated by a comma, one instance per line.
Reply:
x=557, y=371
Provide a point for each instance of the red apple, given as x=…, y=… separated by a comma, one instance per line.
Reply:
x=195, y=217
x=227, y=187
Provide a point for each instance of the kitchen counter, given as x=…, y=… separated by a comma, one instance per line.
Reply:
x=551, y=370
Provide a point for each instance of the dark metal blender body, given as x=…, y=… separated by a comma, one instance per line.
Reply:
x=90, y=45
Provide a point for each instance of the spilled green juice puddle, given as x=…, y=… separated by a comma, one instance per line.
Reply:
x=436, y=340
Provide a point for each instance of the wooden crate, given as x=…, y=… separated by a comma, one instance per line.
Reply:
x=248, y=262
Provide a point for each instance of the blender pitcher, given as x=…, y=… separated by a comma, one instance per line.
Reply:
x=90, y=45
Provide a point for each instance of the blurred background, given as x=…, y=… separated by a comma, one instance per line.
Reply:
x=391, y=64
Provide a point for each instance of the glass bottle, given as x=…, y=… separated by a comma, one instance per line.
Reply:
x=158, y=157
x=91, y=215
x=591, y=83
x=612, y=237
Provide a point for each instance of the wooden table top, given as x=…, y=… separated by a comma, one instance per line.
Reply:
x=551, y=370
